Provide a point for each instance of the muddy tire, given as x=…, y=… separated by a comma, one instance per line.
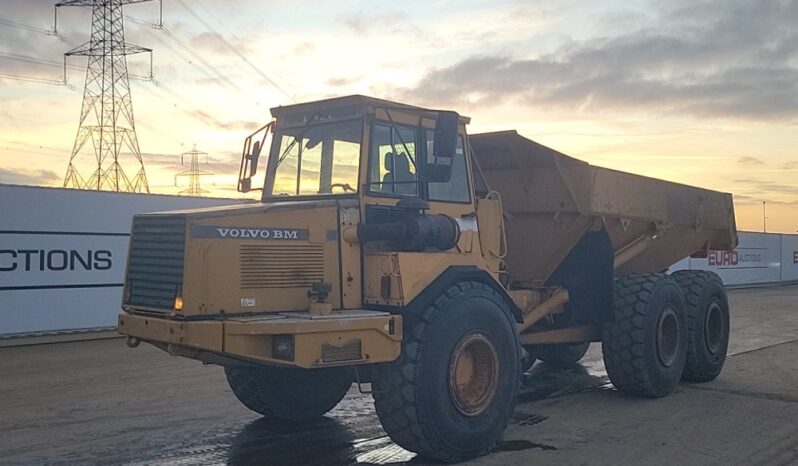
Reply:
x=645, y=348
x=452, y=391
x=289, y=393
x=708, y=324
x=563, y=355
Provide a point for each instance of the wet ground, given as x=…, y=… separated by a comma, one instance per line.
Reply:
x=100, y=402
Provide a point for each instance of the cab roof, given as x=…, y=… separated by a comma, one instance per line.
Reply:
x=349, y=101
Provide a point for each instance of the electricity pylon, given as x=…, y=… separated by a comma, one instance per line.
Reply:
x=193, y=173
x=106, y=116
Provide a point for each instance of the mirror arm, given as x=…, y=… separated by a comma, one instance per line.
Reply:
x=245, y=171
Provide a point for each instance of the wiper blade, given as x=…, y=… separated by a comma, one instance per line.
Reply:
x=399, y=134
x=284, y=155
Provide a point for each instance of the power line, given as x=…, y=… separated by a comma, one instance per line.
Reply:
x=186, y=106
x=241, y=43
x=28, y=27
x=214, y=73
x=31, y=79
x=235, y=50
x=55, y=64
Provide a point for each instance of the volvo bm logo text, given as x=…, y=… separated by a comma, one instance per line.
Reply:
x=255, y=233
x=216, y=231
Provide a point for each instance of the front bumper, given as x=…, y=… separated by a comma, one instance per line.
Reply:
x=344, y=338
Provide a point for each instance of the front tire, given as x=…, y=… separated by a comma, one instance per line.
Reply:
x=708, y=322
x=645, y=348
x=289, y=393
x=452, y=391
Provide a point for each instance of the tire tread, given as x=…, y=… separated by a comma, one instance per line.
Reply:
x=396, y=404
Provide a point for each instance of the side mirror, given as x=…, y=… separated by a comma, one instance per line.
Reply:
x=438, y=167
x=250, y=157
x=253, y=159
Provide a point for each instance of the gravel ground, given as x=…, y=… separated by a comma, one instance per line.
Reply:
x=101, y=402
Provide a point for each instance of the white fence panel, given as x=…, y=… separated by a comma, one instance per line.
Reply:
x=789, y=258
x=63, y=253
x=760, y=259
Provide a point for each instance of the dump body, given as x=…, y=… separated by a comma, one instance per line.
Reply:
x=551, y=200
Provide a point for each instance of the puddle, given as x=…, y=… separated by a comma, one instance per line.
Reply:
x=521, y=445
x=544, y=381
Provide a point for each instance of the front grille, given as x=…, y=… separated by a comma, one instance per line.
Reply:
x=155, y=263
x=281, y=265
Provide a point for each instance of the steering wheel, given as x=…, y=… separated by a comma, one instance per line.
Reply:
x=345, y=186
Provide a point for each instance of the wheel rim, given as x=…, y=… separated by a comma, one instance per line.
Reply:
x=713, y=328
x=473, y=374
x=668, y=337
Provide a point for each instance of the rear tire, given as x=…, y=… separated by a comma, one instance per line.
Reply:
x=452, y=391
x=708, y=324
x=289, y=393
x=646, y=347
x=563, y=355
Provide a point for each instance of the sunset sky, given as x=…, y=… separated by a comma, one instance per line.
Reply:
x=703, y=92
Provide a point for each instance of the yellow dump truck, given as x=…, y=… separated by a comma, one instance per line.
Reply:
x=392, y=248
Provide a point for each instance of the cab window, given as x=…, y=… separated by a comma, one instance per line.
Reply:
x=392, y=168
x=316, y=160
x=456, y=189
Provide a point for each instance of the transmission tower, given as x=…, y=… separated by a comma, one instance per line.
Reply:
x=193, y=173
x=106, y=116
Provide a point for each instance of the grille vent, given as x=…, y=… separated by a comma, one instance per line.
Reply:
x=351, y=351
x=382, y=213
x=281, y=265
x=155, y=264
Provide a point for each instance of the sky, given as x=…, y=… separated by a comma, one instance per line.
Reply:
x=702, y=92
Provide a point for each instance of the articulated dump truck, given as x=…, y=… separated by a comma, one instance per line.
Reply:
x=393, y=249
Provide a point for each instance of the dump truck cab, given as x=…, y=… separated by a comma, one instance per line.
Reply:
x=393, y=248
x=298, y=279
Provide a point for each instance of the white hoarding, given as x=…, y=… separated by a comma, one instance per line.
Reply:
x=760, y=259
x=63, y=253
x=789, y=258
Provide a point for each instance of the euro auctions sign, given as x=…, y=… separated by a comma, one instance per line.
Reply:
x=760, y=258
x=740, y=258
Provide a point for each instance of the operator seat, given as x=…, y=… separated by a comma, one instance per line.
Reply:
x=398, y=170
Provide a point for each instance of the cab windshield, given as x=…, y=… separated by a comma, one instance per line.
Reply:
x=315, y=160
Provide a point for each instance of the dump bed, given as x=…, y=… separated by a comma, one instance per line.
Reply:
x=551, y=201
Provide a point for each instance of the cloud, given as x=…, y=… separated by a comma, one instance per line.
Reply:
x=225, y=163
x=392, y=22
x=739, y=62
x=29, y=177
x=343, y=81
x=791, y=165
x=211, y=120
x=764, y=189
x=210, y=42
x=748, y=160
x=304, y=48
